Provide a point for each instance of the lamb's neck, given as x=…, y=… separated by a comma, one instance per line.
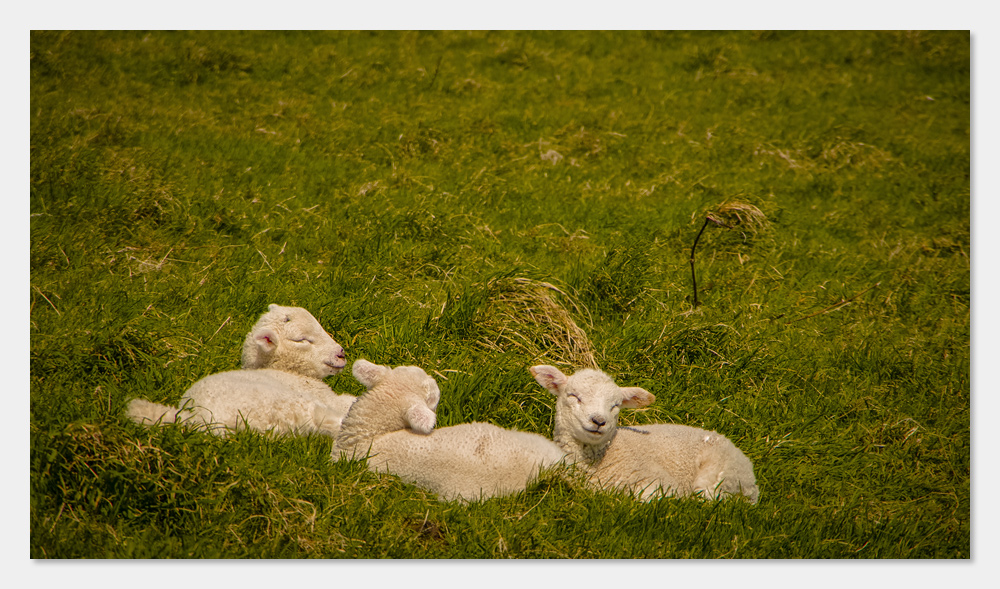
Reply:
x=351, y=436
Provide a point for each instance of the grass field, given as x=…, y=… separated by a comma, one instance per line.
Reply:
x=475, y=203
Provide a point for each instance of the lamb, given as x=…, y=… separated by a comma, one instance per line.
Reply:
x=649, y=460
x=392, y=425
x=280, y=388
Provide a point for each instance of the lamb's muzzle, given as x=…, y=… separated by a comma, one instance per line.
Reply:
x=338, y=362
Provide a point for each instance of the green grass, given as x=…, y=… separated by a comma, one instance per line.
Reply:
x=396, y=185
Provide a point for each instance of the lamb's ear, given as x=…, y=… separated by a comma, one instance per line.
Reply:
x=272, y=307
x=433, y=393
x=266, y=339
x=635, y=398
x=368, y=373
x=420, y=418
x=549, y=377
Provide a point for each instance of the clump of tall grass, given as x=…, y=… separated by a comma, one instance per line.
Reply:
x=526, y=315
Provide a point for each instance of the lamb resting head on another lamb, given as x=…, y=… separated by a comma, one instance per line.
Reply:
x=403, y=398
x=392, y=427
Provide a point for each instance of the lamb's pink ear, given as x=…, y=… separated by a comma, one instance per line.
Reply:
x=635, y=398
x=549, y=377
x=266, y=339
x=272, y=307
x=368, y=373
x=420, y=418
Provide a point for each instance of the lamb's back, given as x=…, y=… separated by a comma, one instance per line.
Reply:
x=679, y=458
x=466, y=461
x=267, y=399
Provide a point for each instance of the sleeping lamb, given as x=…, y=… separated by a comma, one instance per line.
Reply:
x=647, y=460
x=280, y=388
x=392, y=425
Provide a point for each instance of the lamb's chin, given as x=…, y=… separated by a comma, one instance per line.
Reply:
x=332, y=370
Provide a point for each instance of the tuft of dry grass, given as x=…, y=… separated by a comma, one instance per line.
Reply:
x=732, y=214
x=526, y=315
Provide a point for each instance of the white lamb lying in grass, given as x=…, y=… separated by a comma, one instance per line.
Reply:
x=280, y=388
x=647, y=460
x=393, y=425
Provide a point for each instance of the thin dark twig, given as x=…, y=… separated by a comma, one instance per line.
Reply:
x=694, y=281
x=835, y=306
x=733, y=212
x=438, y=66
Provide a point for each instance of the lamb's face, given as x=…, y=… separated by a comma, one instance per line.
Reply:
x=588, y=403
x=291, y=339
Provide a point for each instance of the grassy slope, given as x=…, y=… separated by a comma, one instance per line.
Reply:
x=182, y=181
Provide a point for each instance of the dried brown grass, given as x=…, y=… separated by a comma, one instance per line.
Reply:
x=734, y=213
x=525, y=315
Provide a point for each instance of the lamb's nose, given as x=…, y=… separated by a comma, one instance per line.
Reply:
x=341, y=354
x=598, y=420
